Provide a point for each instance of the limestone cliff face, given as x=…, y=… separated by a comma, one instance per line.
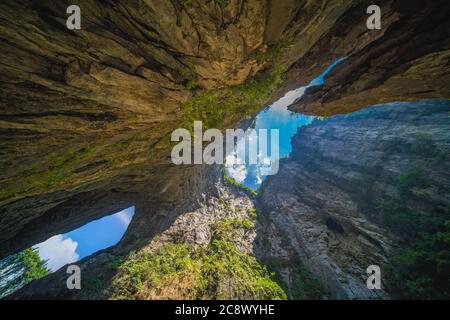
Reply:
x=323, y=207
x=406, y=60
x=85, y=115
x=318, y=223
x=225, y=213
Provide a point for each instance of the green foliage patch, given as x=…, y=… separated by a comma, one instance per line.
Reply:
x=20, y=269
x=215, y=271
x=411, y=178
x=231, y=182
x=424, y=146
x=421, y=269
x=219, y=106
x=35, y=268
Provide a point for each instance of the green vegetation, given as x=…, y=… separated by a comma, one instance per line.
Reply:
x=53, y=170
x=303, y=284
x=223, y=3
x=115, y=262
x=420, y=145
x=184, y=2
x=231, y=182
x=436, y=108
x=424, y=146
x=420, y=270
x=35, y=268
x=91, y=285
x=297, y=282
x=215, y=271
x=226, y=204
x=21, y=269
x=410, y=179
x=191, y=85
x=252, y=213
x=409, y=224
x=229, y=227
x=290, y=274
x=79, y=163
x=219, y=106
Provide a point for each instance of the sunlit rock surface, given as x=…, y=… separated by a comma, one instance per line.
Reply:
x=404, y=61
x=324, y=203
x=81, y=111
x=85, y=115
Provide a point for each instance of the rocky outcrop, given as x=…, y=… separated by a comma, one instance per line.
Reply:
x=317, y=223
x=406, y=60
x=85, y=115
x=325, y=203
x=225, y=211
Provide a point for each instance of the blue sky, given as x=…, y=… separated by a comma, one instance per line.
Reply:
x=99, y=234
x=275, y=116
x=320, y=80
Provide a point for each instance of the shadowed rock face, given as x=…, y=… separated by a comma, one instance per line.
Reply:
x=194, y=226
x=85, y=115
x=320, y=212
x=325, y=201
x=405, y=61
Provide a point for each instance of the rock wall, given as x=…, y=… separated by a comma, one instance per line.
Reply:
x=317, y=223
x=406, y=60
x=324, y=204
x=225, y=213
x=85, y=115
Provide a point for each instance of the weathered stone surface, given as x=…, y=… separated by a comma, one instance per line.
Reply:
x=323, y=202
x=80, y=109
x=318, y=212
x=192, y=225
x=85, y=115
x=405, y=61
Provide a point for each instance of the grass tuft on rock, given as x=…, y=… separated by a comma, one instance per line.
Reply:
x=215, y=271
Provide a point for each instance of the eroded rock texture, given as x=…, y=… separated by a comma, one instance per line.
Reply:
x=405, y=61
x=325, y=202
x=223, y=211
x=319, y=223
x=85, y=115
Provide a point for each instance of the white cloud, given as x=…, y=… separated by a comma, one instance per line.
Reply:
x=258, y=179
x=59, y=251
x=238, y=172
x=288, y=99
x=124, y=217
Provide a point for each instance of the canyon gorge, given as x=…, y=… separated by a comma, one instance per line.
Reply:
x=86, y=118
